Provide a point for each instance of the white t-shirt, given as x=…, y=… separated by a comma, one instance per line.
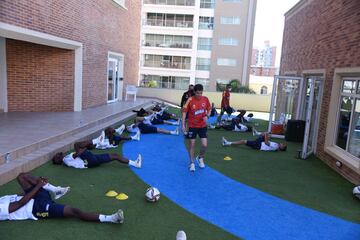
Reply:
x=273, y=146
x=73, y=162
x=23, y=213
x=242, y=128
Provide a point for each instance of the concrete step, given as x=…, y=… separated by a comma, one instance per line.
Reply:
x=29, y=157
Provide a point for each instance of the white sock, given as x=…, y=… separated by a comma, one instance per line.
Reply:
x=95, y=141
x=50, y=188
x=106, y=218
x=132, y=163
x=173, y=132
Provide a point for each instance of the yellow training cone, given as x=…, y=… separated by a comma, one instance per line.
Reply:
x=122, y=196
x=111, y=193
x=227, y=158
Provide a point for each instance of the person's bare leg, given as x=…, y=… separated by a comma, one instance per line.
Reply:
x=240, y=142
x=203, y=147
x=159, y=130
x=83, y=145
x=118, y=157
x=192, y=150
x=26, y=180
x=71, y=212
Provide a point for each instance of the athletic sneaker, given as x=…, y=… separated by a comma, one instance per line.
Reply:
x=120, y=130
x=255, y=132
x=61, y=191
x=100, y=139
x=225, y=142
x=200, y=161
x=118, y=217
x=138, y=161
x=181, y=235
x=192, y=167
x=136, y=137
x=175, y=132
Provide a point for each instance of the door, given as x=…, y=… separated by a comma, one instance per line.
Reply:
x=285, y=103
x=113, y=79
x=311, y=103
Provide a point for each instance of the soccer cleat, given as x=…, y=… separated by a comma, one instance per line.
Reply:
x=181, y=235
x=118, y=217
x=138, y=161
x=225, y=142
x=136, y=137
x=192, y=167
x=61, y=191
x=200, y=161
x=120, y=129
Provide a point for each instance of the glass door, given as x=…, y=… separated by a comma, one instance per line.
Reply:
x=113, y=80
x=312, y=104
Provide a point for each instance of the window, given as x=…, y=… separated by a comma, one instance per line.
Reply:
x=204, y=43
x=167, y=41
x=226, y=62
x=231, y=1
x=207, y=3
x=203, y=81
x=230, y=20
x=228, y=41
x=120, y=2
x=203, y=64
x=206, y=23
x=348, y=126
x=221, y=84
x=156, y=81
x=264, y=90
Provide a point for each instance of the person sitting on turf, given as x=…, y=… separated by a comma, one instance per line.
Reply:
x=36, y=203
x=262, y=143
x=234, y=125
x=83, y=158
x=146, y=128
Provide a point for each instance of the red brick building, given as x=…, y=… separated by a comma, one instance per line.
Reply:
x=67, y=55
x=322, y=40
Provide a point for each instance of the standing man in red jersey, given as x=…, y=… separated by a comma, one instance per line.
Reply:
x=225, y=103
x=198, y=109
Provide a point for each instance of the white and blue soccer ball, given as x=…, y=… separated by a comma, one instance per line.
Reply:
x=356, y=192
x=152, y=194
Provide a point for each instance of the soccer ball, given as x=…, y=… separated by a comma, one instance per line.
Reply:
x=356, y=191
x=152, y=194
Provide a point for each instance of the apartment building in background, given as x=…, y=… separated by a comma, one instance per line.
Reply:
x=196, y=41
x=263, y=60
x=67, y=55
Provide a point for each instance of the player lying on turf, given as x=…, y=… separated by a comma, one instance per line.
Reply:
x=37, y=203
x=146, y=128
x=83, y=158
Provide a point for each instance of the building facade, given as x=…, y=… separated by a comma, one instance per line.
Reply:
x=195, y=41
x=321, y=41
x=67, y=55
x=263, y=60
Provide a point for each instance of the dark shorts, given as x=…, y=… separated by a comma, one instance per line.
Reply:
x=146, y=128
x=229, y=110
x=202, y=132
x=165, y=116
x=116, y=140
x=157, y=121
x=255, y=144
x=44, y=206
x=94, y=160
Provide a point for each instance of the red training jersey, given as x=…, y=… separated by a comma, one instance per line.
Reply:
x=197, y=109
x=225, y=101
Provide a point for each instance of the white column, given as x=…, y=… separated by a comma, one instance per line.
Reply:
x=78, y=79
x=3, y=76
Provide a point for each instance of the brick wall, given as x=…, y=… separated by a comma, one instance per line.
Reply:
x=40, y=78
x=101, y=26
x=325, y=34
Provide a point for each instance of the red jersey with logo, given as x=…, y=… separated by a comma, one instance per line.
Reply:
x=225, y=101
x=197, y=109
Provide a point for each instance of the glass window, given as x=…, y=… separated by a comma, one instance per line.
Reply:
x=207, y=3
x=203, y=81
x=204, y=43
x=206, y=23
x=228, y=41
x=348, y=129
x=203, y=64
x=230, y=20
x=156, y=81
x=226, y=62
x=231, y=1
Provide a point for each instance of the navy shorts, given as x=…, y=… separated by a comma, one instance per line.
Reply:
x=94, y=160
x=116, y=140
x=255, y=144
x=44, y=206
x=157, y=121
x=202, y=132
x=147, y=129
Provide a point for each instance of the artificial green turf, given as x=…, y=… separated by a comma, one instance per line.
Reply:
x=309, y=182
x=143, y=220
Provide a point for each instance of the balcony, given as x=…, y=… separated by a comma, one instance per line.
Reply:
x=169, y=23
x=171, y=2
x=167, y=64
